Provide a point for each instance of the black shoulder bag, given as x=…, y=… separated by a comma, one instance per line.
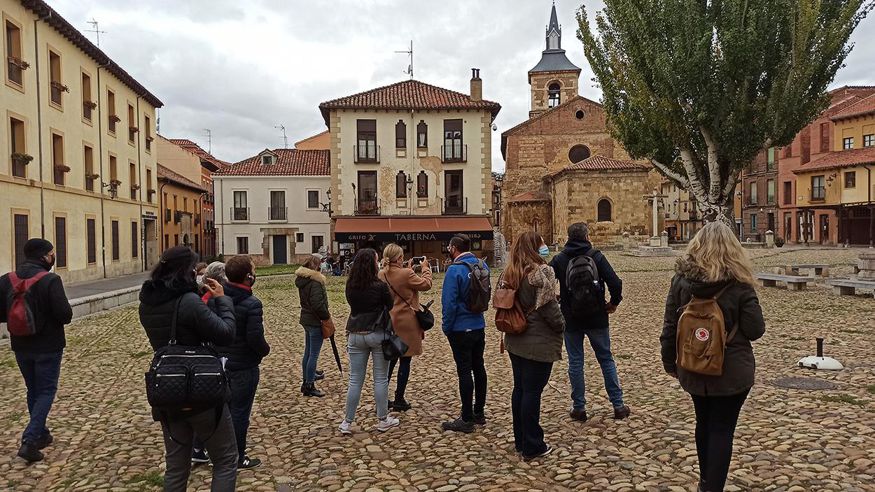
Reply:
x=185, y=377
x=393, y=346
x=424, y=316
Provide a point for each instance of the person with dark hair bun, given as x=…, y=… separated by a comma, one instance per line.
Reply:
x=172, y=279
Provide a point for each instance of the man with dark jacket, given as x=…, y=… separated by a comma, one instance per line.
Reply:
x=38, y=355
x=594, y=327
x=245, y=354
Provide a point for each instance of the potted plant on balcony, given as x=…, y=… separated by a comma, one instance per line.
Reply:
x=150, y=138
x=90, y=104
x=135, y=187
x=114, y=182
x=18, y=62
x=114, y=118
x=59, y=86
x=21, y=158
x=62, y=168
x=133, y=129
x=92, y=176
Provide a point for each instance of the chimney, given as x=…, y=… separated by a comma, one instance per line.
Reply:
x=476, y=85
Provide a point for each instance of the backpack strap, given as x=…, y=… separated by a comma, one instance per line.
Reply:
x=173, y=323
x=21, y=285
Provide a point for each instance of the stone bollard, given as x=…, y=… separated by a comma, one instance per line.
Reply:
x=626, y=241
x=866, y=265
x=663, y=239
x=770, y=239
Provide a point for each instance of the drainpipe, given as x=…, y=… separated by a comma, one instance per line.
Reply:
x=161, y=206
x=100, y=138
x=39, y=124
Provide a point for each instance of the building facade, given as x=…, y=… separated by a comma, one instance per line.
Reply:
x=274, y=206
x=78, y=162
x=759, y=182
x=681, y=213
x=562, y=164
x=411, y=163
x=180, y=205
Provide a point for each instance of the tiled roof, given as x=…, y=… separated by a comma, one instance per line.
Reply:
x=860, y=108
x=198, y=151
x=843, y=97
x=840, y=159
x=600, y=163
x=406, y=95
x=288, y=162
x=170, y=175
x=54, y=19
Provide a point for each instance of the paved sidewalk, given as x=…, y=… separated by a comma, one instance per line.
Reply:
x=95, y=287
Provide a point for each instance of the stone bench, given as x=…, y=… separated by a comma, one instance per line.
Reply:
x=794, y=282
x=821, y=270
x=848, y=287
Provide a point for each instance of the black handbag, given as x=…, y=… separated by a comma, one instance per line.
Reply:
x=393, y=346
x=424, y=316
x=185, y=377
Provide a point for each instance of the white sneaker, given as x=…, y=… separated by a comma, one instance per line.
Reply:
x=388, y=423
x=345, y=428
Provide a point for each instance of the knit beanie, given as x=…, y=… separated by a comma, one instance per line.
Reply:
x=36, y=248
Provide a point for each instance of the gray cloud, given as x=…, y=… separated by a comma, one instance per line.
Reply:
x=239, y=69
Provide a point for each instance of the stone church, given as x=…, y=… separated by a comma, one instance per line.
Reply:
x=562, y=165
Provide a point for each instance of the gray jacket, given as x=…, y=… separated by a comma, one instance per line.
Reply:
x=542, y=340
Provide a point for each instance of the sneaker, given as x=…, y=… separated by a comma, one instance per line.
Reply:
x=480, y=419
x=400, y=405
x=45, y=441
x=458, y=425
x=345, y=428
x=200, y=456
x=621, y=412
x=387, y=423
x=578, y=415
x=29, y=452
x=247, y=463
x=539, y=455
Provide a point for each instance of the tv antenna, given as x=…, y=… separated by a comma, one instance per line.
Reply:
x=96, y=30
x=209, y=134
x=409, y=52
x=282, y=128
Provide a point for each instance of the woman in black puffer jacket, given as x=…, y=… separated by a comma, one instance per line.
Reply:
x=174, y=278
x=715, y=265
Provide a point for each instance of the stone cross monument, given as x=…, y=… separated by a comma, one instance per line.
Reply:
x=654, y=200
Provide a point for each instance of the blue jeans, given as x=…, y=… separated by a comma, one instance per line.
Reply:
x=41, y=373
x=360, y=348
x=243, y=385
x=312, y=347
x=529, y=379
x=600, y=340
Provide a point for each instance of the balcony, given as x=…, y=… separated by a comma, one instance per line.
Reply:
x=367, y=207
x=366, y=154
x=454, y=153
x=454, y=206
x=278, y=213
x=240, y=214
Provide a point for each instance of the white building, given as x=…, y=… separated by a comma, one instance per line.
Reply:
x=272, y=206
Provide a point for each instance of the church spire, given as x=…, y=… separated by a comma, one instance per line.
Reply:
x=554, y=31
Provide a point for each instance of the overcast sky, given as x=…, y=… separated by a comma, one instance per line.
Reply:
x=242, y=68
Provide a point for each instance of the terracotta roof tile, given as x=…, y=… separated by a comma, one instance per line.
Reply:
x=288, y=162
x=860, y=108
x=198, y=151
x=171, y=175
x=406, y=95
x=599, y=163
x=839, y=159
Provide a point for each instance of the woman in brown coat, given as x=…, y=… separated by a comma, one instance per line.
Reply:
x=405, y=286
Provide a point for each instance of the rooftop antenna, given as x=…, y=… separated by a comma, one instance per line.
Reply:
x=209, y=134
x=96, y=30
x=409, y=52
x=282, y=128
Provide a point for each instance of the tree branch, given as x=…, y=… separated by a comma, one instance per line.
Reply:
x=670, y=174
x=731, y=181
x=713, y=166
x=696, y=187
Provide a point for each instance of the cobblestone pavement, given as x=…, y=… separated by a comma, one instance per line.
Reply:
x=787, y=440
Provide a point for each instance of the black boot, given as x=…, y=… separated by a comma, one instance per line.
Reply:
x=29, y=452
x=310, y=390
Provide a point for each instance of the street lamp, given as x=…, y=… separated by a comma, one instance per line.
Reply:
x=326, y=207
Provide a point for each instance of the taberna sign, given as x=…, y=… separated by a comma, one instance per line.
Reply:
x=351, y=237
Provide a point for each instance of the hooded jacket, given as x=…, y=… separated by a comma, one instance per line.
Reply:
x=454, y=298
x=740, y=306
x=196, y=323
x=249, y=345
x=314, y=297
x=607, y=277
x=50, y=306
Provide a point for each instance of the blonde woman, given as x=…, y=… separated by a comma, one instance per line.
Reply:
x=715, y=265
x=405, y=286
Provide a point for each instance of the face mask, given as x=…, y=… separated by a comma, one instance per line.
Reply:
x=50, y=261
x=200, y=280
x=544, y=251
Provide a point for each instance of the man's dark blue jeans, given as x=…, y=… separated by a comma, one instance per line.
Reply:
x=41, y=372
x=243, y=385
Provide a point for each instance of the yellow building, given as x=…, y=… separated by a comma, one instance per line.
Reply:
x=77, y=161
x=843, y=179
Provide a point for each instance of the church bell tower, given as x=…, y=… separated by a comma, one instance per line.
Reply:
x=554, y=80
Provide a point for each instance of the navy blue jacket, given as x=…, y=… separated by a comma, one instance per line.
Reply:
x=607, y=277
x=454, y=310
x=249, y=345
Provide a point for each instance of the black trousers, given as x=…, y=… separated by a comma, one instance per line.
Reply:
x=468, y=347
x=243, y=385
x=716, y=417
x=403, y=376
x=529, y=379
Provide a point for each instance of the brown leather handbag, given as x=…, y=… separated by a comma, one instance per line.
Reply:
x=328, y=328
x=509, y=315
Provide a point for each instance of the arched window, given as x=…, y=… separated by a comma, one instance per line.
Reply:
x=422, y=185
x=400, y=135
x=400, y=185
x=604, y=210
x=578, y=153
x=422, y=135
x=536, y=224
x=553, y=98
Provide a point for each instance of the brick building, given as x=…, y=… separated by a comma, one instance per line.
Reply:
x=759, y=209
x=562, y=165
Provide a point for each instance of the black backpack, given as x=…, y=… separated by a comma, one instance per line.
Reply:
x=480, y=287
x=584, y=287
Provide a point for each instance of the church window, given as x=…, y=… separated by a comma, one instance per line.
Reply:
x=400, y=135
x=578, y=153
x=553, y=95
x=604, y=210
x=422, y=185
x=400, y=185
x=579, y=114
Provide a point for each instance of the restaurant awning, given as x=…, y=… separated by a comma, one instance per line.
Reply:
x=351, y=229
